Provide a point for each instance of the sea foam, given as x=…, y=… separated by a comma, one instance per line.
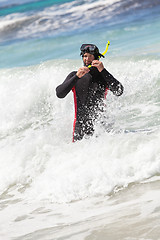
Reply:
x=37, y=153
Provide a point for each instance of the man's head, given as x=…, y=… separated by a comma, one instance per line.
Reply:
x=89, y=53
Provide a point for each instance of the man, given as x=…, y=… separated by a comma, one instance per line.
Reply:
x=89, y=85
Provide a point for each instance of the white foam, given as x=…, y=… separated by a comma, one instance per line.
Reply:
x=36, y=151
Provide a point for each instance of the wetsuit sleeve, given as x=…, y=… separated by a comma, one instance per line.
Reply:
x=63, y=89
x=112, y=84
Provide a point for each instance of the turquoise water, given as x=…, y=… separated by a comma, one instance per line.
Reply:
x=37, y=31
x=28, y=7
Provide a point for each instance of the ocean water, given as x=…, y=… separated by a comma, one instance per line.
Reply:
x=105, y=187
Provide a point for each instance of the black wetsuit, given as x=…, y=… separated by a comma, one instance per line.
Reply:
x=89, y=92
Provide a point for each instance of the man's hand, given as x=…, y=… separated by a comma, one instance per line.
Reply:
x=98, y=65
x=82, y=71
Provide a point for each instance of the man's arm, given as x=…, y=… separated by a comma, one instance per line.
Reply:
x=112, y=84
x=63, y=89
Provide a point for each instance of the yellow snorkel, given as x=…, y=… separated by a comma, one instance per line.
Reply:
x=107, y=45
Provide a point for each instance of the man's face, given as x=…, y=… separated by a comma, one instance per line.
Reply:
x=88, y=58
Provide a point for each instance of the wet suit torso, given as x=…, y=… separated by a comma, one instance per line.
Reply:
x=89, y=92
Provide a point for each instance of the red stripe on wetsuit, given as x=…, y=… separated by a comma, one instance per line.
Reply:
x=75, y=115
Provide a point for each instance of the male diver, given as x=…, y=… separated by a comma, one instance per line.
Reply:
x=89, y=85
